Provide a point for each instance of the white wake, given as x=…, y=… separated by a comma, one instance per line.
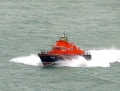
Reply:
x=100, y=58
x=33, y=60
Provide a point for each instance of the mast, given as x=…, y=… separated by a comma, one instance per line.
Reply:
x=64, y=33
x=64, y=37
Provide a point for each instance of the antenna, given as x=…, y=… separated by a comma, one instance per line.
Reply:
x=58, y=36
x=64, y=34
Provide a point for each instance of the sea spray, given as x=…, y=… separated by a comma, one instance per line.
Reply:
x=103, y=58
x=77, y=62
x=28, y=60
x=100, y=58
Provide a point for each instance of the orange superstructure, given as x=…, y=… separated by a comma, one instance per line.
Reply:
x=65, y=47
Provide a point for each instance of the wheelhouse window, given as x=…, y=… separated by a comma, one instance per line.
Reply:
x=63, y=38
x=59, y=48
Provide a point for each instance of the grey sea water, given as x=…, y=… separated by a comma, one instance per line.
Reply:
x=28, y=26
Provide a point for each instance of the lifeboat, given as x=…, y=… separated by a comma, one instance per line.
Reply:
x=62, y=50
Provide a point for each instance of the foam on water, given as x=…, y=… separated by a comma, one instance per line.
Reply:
x=28, y=60
x=100, y=58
